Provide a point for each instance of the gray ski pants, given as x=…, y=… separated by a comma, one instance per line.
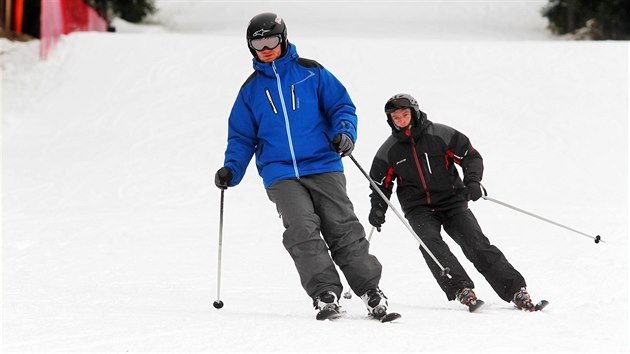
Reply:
x=319, y=203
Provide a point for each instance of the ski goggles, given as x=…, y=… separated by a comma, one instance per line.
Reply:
x=267, y=42
x=397, y=103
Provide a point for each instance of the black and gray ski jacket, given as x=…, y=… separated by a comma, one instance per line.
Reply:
x=421, y=160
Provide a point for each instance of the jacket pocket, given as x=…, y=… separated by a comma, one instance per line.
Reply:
x=426, y=157
x=273, y=106
x=437, y=174
x=304, y=90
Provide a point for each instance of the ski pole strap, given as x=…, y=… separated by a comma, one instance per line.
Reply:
x=597, y=238
x=443, y=271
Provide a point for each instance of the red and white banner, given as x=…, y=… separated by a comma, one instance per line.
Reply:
x=65, y=16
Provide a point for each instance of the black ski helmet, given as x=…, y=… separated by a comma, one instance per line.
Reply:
x=265, y=25
x=403, y=100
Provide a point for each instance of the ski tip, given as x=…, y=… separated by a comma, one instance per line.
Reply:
x=476, y=306
x=327, y=315
x=541, y=305
x=392, y=316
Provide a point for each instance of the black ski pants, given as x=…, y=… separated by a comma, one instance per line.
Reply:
x=462, y=226
x=317, y=204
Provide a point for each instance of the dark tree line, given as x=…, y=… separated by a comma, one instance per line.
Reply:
x=611, y=17
x=133, y=11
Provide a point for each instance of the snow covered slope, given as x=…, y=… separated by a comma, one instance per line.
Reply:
x=110, y=217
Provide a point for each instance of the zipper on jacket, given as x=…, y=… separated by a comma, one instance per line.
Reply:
x=273, y=106
x=286, y=119
x=424, y=182
x=293, y=96
x=426, y=156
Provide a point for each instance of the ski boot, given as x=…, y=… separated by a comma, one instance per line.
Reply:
x=466, y=296
x=327, y=305
x=523, y=301
x=376, y=302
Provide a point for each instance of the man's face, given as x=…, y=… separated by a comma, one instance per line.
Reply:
x=269, y=55
x=401, y=117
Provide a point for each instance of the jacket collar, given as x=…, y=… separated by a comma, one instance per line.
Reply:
x=415, y=132
x=281, y=63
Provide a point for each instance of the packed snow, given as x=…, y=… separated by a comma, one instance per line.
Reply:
x=110, y=217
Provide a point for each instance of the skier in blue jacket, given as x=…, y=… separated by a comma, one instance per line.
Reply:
x=299, y=120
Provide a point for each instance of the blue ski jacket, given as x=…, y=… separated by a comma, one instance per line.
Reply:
x=287, y=113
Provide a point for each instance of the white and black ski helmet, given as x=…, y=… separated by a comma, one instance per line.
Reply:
x=404, y=100
x=264, y=25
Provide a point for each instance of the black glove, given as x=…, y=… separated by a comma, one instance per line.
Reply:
x=343, y=144
x=223, y=178
x=473, y=191
x=376, y=218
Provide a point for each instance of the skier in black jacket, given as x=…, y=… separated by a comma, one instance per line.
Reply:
x=420, y=157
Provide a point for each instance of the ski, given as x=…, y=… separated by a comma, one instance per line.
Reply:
x=389, y=317
x=475, y=305
x=327, y=314
x=333, y=315
x=533, y=308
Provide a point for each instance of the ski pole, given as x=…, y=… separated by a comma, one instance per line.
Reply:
x=597, y=238
x=348, y=294
x=218, y=303
x=443, y=271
